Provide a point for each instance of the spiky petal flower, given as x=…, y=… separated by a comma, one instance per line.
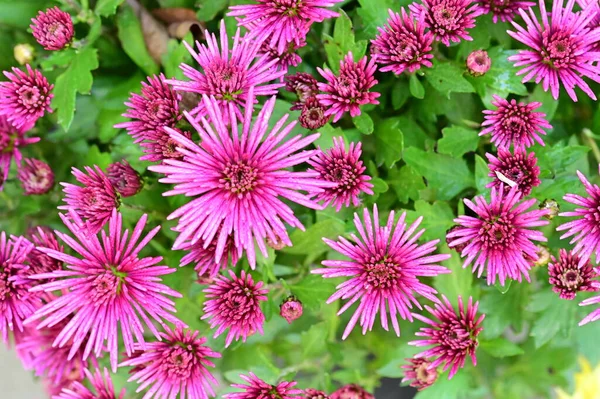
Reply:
x=518, y=169
x=402, y=44
x=595, y=315
x=568, y=278
x=478, y=63
x=345, y=168
x=25, y=97
x=36, y=177
x=11, y=139
x=350, y=89
x=255, y=388
x=208, y=262
x=286, y=58
x=418, y=372
x=126, y=180
x=95, y=201
x=314, y=394
x=514, y=123
x=313, y=115
x=500, y=237
x=304, y=85
x=235, y=305
x=504, y=10
x=38, y=261
x=53, y=29
x=102, y=388
x=159, y=146
x=561, y=48
x=453, y=335
x=177, y=366
x=107, y=287
x=351, y=391
x=239, y=180
x=384, y=269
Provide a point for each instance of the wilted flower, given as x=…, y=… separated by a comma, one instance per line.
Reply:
x=290, y=309
x=53, y=29
x=126, y=180
x=313, y=115
x=314, y=394
x=207, y=259
x=518, y=169
x=504, y=10
x=351, y=391
x=543, y=255
x=102, y=388
x=256, y=388
x=568, y=277
x=419, y=373
x=479, y=62
x=24, y=53
x=304, y=85
x=552, y=208
x=11, y=139
x=36, y=177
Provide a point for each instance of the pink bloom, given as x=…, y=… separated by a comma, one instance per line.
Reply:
x=126, y=180
x=478, y=63
x=159, y=146
x=36, y=177
x=235, y=305
x=227, y=74
x=315, y=394
x=453, y=335
x=351, y=391
x=256, y=388
x=384, y=269
x=286, y=58
x=419, y=373
x=290, y=309
x=504, y=10
x=562, y=49
x=514, y=170
x=313, y=114
x=208, y=261
x=102, y=388
x=595, y=315
x=110, y=285
x=239, y=180
x=95, y=201
x=349, y=90
x=25, y=97
x=568, y=277
x=304, y=85
x=177, y=366
x=403, y=44
x=514, y=123
x=38, y=261
x=11, y=139
x=500, y=236
x=53, y=29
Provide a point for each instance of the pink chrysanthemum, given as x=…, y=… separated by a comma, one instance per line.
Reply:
x=315, y=394
x=102, y=388
x=568, y=277
x=282, y=21
x=36, y=177
x=346, y=170
x=403, y=44
x=514, y=170
x=448, y=20
x=514, y=123
x=291, y=309
x=126, y=180
x=235, y=305
x=53, y=29
x=351, y=391
x=286, y=58
x=304, y=85
x=384, y=269
x=11, y=139
x=239, y=180
x=256, y=388
x=208, y=262
x=595, y=315
x=95, y=201
x=453, y=335
x=38, y=261
x=500, y=236
x=313, y=114
x=348, y=90
x=110, y=285
x=159, y=146
x=175, y=367
x=25, y=97
x=504, y=10
x=562, y=48
x=228, y=75
x=419, y=373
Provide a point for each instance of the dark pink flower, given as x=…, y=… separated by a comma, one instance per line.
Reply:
x=38, y=261
x=561, y=48
x=514, y=123
x=419, y=373
x=95, y=201
x=53, y=29
x=235, y=305
x=256, y=388
x=101, y=388
x=504, y=10
x=208, y=260
x=351, y=391
x=290, y=309
x=25, y=97
x=499, y=239
x=11, y=139
x=313, y=114
x=36, y=177
x=304, y=85
x=568, y=277
x=159, y=146
x=478, y=63
x=348, y=90
x=402, y=44
x=315, y=394
x=176, y=366
x=286, y=58
x=383, y=271
x=109, y=287
x=518, y=169
x=126, y=180
x=453, y=335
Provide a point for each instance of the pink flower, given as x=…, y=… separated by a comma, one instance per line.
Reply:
x=595, y=315
x=304, y=85
x=286, y=58
x=453, y=335
x=403, y=44
x=95, y=201
x=38, y=261
x=514, y=123
x=25, y=97
x=110, y=285
x=568, y=277
x=290, y=309
x=478, y=63
x=177, y=366
x=228, y=75
x=351, y=391
x=419, y=373
x=562, y=48
x=208, y=261
x=504, y=10
x=126, y=180
x=500, y=237
x=235, y=305
x=313, y=115
x=256, y=388
x=11, y=139
x=513, y=170
x=53, y=29
x=36, y=177
x=159, y=146
x=239, y=179
x=384, y=269
x=102, y=387
x=315, y=394
x=349, y=90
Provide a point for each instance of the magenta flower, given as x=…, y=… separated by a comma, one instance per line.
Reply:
x=346, y=170
x=349, y=90
x=36, y=177
x=102, y=388
x=304, y=85
x=453, y=335
x=53, y=29
x=504, y=10
x=256, y=388
x=513, y=170
x=403, y=44
x=95, y=201
x=478, y=63
x=384, y=269
x=286, y=58
x=25, y=97
x=595, y=315
x=514, y=123
x=313, y=115
x=110, y=285
x=235, y=305
x=562, y=48
x=11, y=139
x=419, y=373
x=177, y=366
x=315, y=394
x=38, y=261
x=208, y=260
x=568, y=277
x=126, y=180
x=351, y=391
x=239, y=180
x=500, y=237
x=291, y=309
x=159, y=146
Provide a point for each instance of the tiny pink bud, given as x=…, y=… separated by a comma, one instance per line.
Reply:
x=290, y=309
x=313, y=115
x=36, y=177
x=53, y=29
x=314, y=394
x=478, y=63
x=124, y=178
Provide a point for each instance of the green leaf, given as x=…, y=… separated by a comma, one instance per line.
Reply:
x=374, y=13
x=208, y=9
x=437, y=218
x=364, y=123
x=18, y=14
x=95, y=157
x=416, y=87
x=458, y=141
x=342, y=42
x=481, y=174
x=448, y=78
x=379, y=185
x=311, y=240
x=500, y=348
x=556, y=315
x=176, y=55
x=503, y=310
x=313, y=291
x=560, y=157
x=106, y=8
x=132, y=40
x=313, y=341
x=444, y=388
x=406, y=183
x=457, y=283
x=502, y=77
x=549, y=104
x=389, y=142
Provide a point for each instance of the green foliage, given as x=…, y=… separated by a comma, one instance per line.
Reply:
x=132, y=39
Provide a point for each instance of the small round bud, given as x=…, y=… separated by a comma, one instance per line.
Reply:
x=552, y=207
x=36, y=177
x=458, y=248
x=543, y=256
x=314, y=394
x=313, y=115
x=290, y=309
x=124, y=178
x=24, y=53
x=478, y=63
x=53, y=29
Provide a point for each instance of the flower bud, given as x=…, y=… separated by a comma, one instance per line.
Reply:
x=24, y=53
x=478, y=63
x=313, y=115
x=552, y=207
x=314, y=394
x=304, y=85
x=35, y=176
x=124, y=178
x=457, y=248
x=351, y=391
x=290, y=309
x=53, y=29
x=419, y=374
x=543, y=256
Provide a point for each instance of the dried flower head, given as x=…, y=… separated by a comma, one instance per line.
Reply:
x=568, y=277
x=419, y=373
x=53, y=29
x=126, y=180
x=255, y=388
x=36, y=177
x=517, y=169
x=313, y=115
x=543, y=255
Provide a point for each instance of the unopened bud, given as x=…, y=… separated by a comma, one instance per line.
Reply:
x=478, y=63
x=552, y=207
x=24, y=53
x=314, y=394
x=543, y=256
x=126, y=180
x=290, y=309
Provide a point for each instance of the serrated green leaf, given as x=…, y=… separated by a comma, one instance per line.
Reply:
x=406, y=183
x=503, y=310
x=374, y=13
x=106, y=8
x=502, y=77
x=416, y=87
x=457, y=141
x=437, y=218
x=132, y=39
x=342, y=42
x=447, y=78
x=313, y=291
x=389, y=141
x=364, y=123
x=555, y=315
x=500, y=348
x=96, y=157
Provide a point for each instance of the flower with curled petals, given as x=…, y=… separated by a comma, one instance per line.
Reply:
x=504, y=10
x=208, y=262
x=255, y=388
x=513, y=169
x=36, y=177
x=101, y=388
x=53, y=28
x=568, y=277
